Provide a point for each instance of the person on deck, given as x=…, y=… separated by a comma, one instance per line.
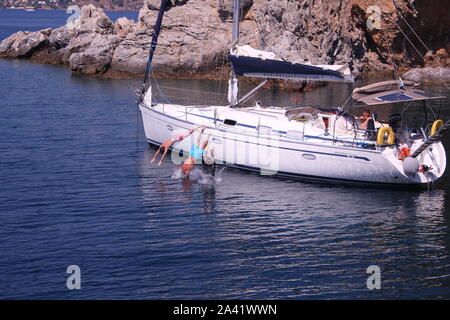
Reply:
x=165, y=146
x=363, y=120
x=195, y=154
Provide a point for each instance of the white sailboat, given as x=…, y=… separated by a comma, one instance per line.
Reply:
x=308, y=143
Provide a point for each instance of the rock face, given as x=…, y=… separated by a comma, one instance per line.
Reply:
x=324, y=34
x=24, y=44
x=196, y=36
x=192, y=39
x=96, y=58
x=428, y=75
x=123, y=26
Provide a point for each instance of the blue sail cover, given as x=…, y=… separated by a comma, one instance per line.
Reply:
x=266, y=68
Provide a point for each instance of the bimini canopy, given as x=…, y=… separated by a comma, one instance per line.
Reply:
x=250, y=62
x=390, y=92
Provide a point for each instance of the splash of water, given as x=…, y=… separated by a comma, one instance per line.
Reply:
x=199, y=176
x=218, y=177
x=177, y=174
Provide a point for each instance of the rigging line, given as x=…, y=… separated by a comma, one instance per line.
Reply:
x=194, y=91
x=215, y=82
x=440, y=74
x=439, y=110
x=396, y=70
x=137, y=129
x=220, y=59
x=398, y=11
x=394, y=62
x=195, y=102
x=407, y=38
x=220, y=80
x=346, y=101
x=431, y=109
x=201, y=111
x=157, y=87
x=162, y=95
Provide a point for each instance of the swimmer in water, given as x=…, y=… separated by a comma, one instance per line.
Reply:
x=165, y=146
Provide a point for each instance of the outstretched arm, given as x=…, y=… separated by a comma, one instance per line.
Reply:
x=190, y=132
x=205, y=144
x=199, y=138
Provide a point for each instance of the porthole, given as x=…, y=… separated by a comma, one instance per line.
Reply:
x=308, y=156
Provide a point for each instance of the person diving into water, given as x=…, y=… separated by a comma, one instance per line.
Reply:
x=199, y=152
x=196, y=153
x=209, y=164
x=165, y=146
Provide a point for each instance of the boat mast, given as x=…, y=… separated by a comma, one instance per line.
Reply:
x=236, y=20
x=233, y=83
x=155, y=35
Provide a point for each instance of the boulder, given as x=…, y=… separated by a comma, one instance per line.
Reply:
x=59, y=38
x=94, y=19
x=193, y=41
x=130, y=56
x=437, y=59
x=155, y=4
x=123, y=26
x=24, y=44
x=428, y=75
x=95, y=58
x=7, y=46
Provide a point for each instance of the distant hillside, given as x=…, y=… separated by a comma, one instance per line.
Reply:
x=114, y=5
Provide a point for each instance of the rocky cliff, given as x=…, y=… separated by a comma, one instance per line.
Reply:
x=196, y=35
x=113, y=5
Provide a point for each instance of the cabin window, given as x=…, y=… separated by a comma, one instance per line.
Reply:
x=229, y=122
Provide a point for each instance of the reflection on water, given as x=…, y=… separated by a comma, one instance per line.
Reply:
x=262, y=237
x=76, y=191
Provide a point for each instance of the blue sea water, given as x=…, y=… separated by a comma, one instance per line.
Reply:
x=77, y=188
x=20, y=20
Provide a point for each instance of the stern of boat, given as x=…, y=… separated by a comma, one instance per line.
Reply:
x=426, y=167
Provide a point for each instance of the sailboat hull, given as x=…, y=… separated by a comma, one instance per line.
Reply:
x=279, y=156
